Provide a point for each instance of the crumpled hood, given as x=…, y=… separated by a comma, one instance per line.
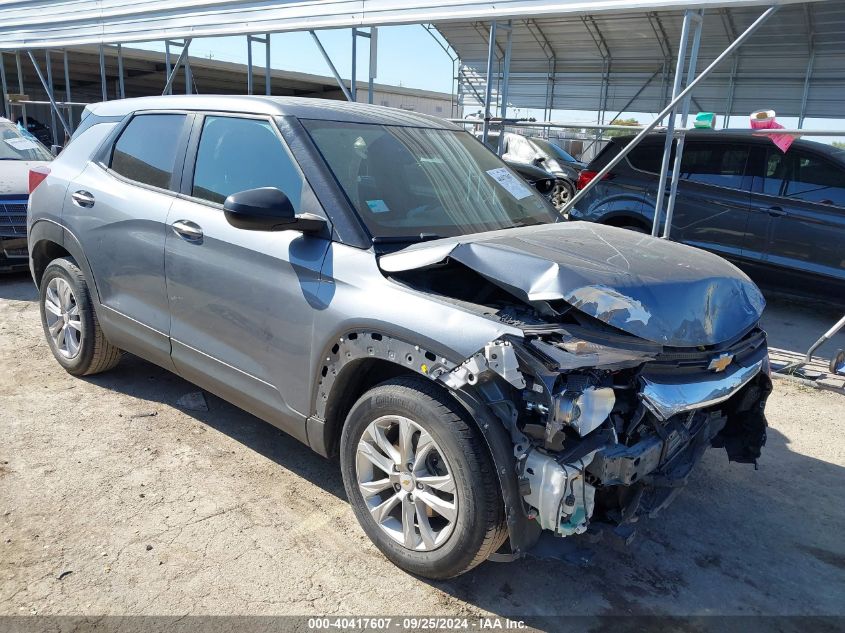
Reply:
x=659, y=290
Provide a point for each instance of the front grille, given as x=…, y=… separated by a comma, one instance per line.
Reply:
x=742, y=349
x=13, y=218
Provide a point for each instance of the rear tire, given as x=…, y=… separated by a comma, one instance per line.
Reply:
x=70, y=322
x=450, y=471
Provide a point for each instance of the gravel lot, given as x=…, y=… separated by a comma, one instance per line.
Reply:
x=113, y=500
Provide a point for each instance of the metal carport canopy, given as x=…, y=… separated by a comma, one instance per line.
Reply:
x=624, y=61
x=28, y=24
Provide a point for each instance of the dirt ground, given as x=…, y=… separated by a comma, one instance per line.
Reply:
x=114, y=500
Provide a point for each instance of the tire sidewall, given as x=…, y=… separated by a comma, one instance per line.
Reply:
x=468, y=532
x=65, y=269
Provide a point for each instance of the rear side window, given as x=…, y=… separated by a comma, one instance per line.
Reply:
x=649, y=156
x=804, y=177
x=146, y=149
x=238, y=154
x=715, y=164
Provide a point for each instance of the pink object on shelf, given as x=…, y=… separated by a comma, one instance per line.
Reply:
x=765, y=120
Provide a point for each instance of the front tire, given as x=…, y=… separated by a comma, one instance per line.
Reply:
x=70, y=323
x=420, y=479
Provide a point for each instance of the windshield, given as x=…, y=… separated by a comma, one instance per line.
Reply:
x=419, y=183
x=553, y=150
x=17, y=146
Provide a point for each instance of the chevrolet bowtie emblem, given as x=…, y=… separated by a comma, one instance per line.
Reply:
x=720, y=363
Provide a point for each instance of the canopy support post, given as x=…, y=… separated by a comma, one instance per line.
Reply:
x=670, y=125
x=49, y=90
x=679, y=150
x=670, y=107
x=4, y=87
x=20, y=87
x=168, y=87
x=49, y=65
x=331, y=66
x=67, y=90
x=121, y=87
x=503, y=93
x=488, y=88
x=103, y=85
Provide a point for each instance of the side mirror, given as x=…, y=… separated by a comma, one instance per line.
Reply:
x=539, y=159
x=55, y=150
x=268, y=209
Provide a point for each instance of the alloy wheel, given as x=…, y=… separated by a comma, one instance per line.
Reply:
x=406, y=482
x=561, y=195
x=63, y=319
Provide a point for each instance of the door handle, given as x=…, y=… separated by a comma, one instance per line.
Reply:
x=187, y=230
x=774, y=211
x=82, y=199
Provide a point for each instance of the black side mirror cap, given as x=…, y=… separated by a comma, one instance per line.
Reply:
x=268, y=209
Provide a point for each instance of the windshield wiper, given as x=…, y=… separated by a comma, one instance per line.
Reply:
x=405, y=239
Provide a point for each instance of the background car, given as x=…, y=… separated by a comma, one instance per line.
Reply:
x=18, y=154
x=543, y=181
x=39, y=130
x=778, y=216
x=519, y=149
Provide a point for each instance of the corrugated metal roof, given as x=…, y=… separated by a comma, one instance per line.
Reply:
x=43, y=23
x=641, y=46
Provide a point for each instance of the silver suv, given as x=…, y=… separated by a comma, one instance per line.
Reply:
x=382, y=287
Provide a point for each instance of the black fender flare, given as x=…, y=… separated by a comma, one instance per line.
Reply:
x=51, y=231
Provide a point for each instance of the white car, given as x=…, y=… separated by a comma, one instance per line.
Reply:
x=19, y=152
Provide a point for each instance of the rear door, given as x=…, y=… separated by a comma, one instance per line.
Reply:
x=800, y=201
x=714, y=194
x=242, y=301
x=117, y=207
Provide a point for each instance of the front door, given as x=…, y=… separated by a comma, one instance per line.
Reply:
x=240, y=300
x=711, y=208
x=799, y=204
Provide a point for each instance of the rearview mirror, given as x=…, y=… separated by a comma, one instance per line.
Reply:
x=268, y=209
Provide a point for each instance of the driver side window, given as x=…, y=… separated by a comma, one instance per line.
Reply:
x=237, y=154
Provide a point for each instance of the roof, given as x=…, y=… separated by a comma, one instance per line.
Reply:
x=637, y=51
x=299, y=107
x=733, y=137
x=43, y=23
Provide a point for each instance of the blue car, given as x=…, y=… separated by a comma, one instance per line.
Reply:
x=778, y=216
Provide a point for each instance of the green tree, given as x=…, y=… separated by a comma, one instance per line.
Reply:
x=838, y=144
x=612, y=133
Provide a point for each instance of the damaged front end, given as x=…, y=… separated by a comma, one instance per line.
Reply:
x=604, y=435
x=612, y=394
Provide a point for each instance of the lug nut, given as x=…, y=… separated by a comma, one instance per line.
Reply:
x=419, y=486
x=411, y=498
x=397, y=487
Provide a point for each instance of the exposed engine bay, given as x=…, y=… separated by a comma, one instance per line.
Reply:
x=606, y=424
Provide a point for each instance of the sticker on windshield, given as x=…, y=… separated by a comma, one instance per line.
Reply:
x=21, y=143
x=509, y=182
x=378, y=206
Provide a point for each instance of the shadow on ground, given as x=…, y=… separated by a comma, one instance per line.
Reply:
x=794, y=324
x=17, y=287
